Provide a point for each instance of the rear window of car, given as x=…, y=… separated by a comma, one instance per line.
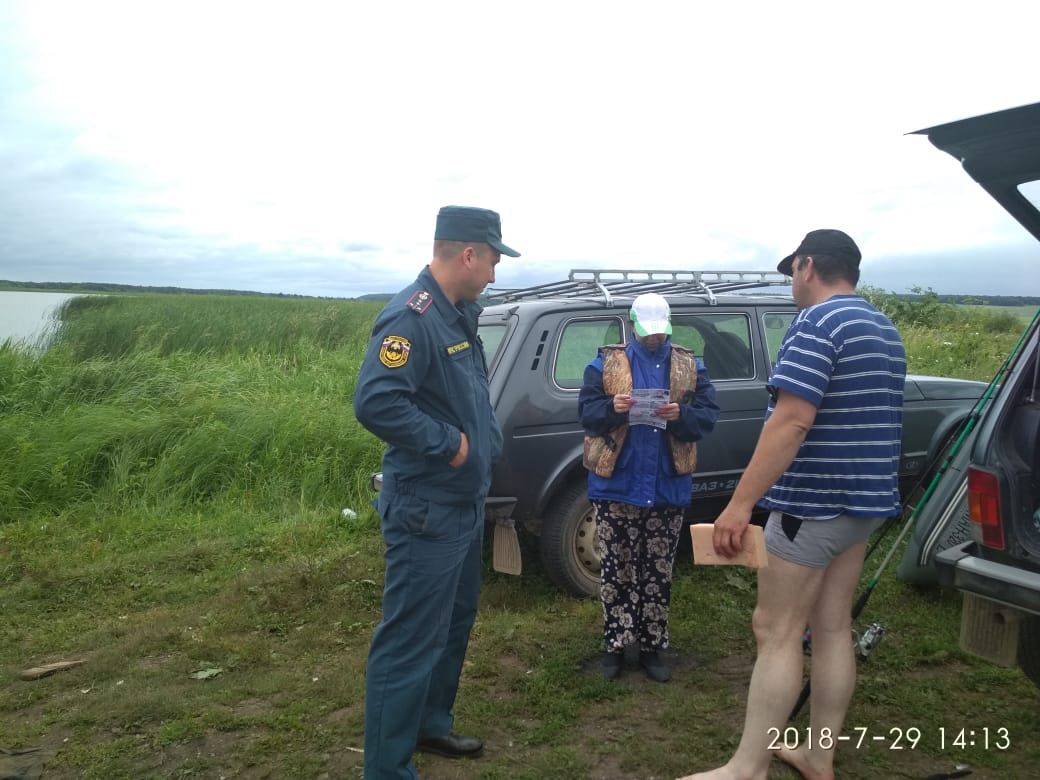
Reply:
x=722, y=340
x=579, y=342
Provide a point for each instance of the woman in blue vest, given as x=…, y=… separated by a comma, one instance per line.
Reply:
x=643, y=406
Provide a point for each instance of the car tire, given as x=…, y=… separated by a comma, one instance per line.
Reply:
x=568, y=542
x=1029, y=648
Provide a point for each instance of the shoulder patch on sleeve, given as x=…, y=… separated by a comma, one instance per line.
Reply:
x=420, y=301
x=394, y=351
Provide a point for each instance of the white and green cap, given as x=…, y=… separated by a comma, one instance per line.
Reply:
x=650, y=315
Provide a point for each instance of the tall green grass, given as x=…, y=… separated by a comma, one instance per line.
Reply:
x=111, y=326
x=169, y=401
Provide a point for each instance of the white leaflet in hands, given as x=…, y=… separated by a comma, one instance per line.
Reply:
x=644, y=402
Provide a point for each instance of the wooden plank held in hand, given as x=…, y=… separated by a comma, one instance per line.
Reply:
x=752, y=554
x=42, y=671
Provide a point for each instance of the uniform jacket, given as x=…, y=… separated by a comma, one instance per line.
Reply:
x=423, y=381
x=645, y=474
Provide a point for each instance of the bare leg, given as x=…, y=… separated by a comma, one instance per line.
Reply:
x=833, y=665
x=786, y=593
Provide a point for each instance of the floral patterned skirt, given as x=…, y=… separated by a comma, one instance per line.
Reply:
x=637, y=548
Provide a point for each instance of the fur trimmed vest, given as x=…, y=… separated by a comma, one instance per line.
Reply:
x=601, y=452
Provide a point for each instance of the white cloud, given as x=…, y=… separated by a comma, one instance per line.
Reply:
x=669, y=134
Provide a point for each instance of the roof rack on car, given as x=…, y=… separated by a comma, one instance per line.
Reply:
x=582, y=283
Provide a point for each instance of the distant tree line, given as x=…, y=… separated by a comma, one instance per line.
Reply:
x=978, y=300
x=106, y=287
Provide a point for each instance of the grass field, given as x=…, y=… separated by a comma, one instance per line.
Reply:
x=1023, y=313
x=172, y=478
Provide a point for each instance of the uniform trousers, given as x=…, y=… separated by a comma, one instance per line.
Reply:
x=433, y=569
x=637, y=549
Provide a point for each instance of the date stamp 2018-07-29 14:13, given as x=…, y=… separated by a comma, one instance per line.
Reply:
x=895, y=738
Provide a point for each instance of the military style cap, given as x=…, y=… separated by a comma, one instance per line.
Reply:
x=466, y=223
x=823, y=242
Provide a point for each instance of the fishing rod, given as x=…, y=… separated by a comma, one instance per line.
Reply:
x=865, y=643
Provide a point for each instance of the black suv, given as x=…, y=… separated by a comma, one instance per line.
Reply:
x=996, y=476
x=539, y=340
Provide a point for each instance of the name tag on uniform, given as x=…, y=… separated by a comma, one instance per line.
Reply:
x=455, y=349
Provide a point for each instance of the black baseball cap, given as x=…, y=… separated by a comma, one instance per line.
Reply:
x=823, y=242
x=466, y=223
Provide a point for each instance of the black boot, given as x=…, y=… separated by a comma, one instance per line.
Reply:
x=654, y=666
x=611, y=664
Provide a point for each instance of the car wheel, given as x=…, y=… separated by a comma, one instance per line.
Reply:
x=1029, y=648
x=568, y=542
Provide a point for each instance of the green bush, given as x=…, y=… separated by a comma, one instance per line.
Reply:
x=945, y=339
x=922, y=310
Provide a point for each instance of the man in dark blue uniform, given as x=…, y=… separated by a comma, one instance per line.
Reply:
x=423, y=389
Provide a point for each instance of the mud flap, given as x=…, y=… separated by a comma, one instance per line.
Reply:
x=506, y=550
x=990, y=630
x=505, y=555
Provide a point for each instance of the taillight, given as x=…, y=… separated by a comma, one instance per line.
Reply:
x=984, y=506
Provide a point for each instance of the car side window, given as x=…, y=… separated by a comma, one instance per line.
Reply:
x=578, y=345
x=491, y=335
x=775, y=324
x=723, y=341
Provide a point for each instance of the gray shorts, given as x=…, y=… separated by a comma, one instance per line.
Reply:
x=815, y=543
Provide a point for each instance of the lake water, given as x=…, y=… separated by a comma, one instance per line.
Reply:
x=25, y=316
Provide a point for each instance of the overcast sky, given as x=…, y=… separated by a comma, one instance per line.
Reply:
x=305, y=147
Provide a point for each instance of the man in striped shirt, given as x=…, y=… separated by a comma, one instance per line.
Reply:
x=826, y=466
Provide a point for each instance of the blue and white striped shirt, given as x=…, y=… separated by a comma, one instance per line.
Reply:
x=846, y=358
